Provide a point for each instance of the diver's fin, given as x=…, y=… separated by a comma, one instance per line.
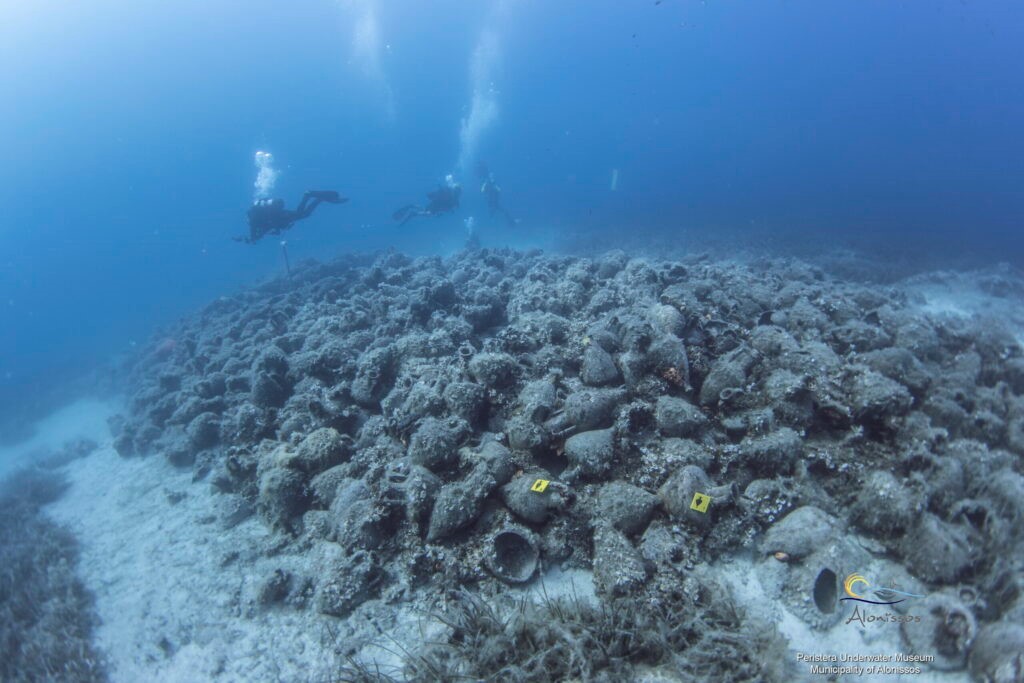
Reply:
x=404, y=213
x=328, y=196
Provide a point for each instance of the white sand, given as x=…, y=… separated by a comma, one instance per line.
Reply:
x=173, y=606
x=960, y=295
x=170, y=609
x=82, y=419
x=564, y=583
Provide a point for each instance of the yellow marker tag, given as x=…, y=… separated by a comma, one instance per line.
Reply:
x=540, y=485
x=700, y=502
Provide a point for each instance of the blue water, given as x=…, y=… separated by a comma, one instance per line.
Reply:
x=128, y=132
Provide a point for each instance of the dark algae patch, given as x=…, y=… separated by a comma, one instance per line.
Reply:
x=46, y=614
x=452, y=429
x=568, y=638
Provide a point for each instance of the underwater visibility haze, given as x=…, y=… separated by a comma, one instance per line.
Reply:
x=764, y=252
x=130, y=131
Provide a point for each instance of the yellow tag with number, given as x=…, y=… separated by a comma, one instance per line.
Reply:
x=700, y=502
x=540, y=485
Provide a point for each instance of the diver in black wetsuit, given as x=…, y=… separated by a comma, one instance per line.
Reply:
x=444, y=199
x=269, y=217
x=492, y=195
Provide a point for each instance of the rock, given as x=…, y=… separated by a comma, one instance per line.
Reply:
x=678, y=492
x=800, y=533
x=211, y=386
x=321, y=450
x=768, y=500
x=772, y=341
x=435, y=443
x=946, y=630
x=659, y=546
x=269, y=391
x=525, y=435
x=180, y=453
x=591, y=453
x=204, y=431
x=273, y=588
x=1006, y=489
x=347, y=585
x=1015, y=433
x=618, y=567
x=324, y=485
x=588, y=409
x=884, y=506
x=936, y=551
x=357, y=520
x=598, y=367
x=466, y=400
x=537, y=399
x=71, y=450
x=876, y=399
x=667, y=358
x=373, y=376
x=459, y=504
x=318, y=524
x=627, y=508
x=124, y=443
x=774, y=453
x=679, y=452
x=943, y=478
x=998, y=654
x=899, y=365
x=678, y=417
x=728, y=372
x=271, y=359
x=667, y=319
x=804, y=316
x=495, y=370
x=233, y=511
x=494, y=460
x=559, y=540
x=416, y=488
x=282, y=497
x=532, y=506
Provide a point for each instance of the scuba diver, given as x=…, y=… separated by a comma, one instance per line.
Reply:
x=269, y=217
x=444, y=199
x=492, y=194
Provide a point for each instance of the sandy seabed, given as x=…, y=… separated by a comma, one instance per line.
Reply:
x=168, y=594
